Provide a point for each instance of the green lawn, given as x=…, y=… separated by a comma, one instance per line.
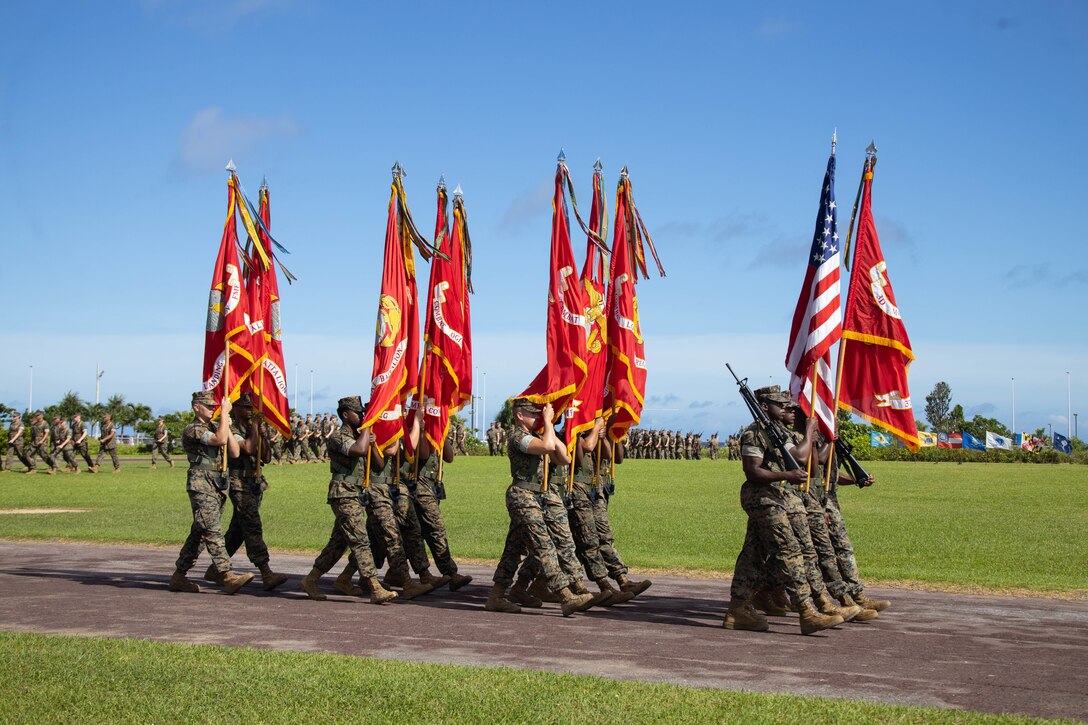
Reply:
x=81, y=680
x=993, y=526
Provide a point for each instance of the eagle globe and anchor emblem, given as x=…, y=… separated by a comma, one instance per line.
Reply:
x=388, y=321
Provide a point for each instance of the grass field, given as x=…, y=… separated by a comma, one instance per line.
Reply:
x=991, y=526
x=79, y=680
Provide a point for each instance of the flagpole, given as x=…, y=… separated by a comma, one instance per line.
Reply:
x=812, y=409
x=1069, y=405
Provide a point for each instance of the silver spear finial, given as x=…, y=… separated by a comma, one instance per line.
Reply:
x=442, y=182
x=398, y=171
x=562, y=158
x=623, y=172
x=457, y=193
x=834, y=140
x=871, y=150
x=231, y=168
x=597, y=167
x=264, y=183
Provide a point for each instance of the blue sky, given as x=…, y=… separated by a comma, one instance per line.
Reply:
x=117, y=118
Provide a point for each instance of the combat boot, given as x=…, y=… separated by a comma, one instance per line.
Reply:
x=781, y=599
x=458, y=580
x=154, y=466
x=378, y=593
x=827, y=605
x=179, y=583
x=434, y=582
x=75, y=470
x=51, y=472
x=94, y=469
x=812, y=620
x=867, y=615
x=117, y=470
x=877, y=605
x=572, y=602
x=626, y=585
x=765, y=602
x=395, y=578
x=270, y=579
x=212, y=575
x=520, y=595
x=540, y=590
x=309, y=585
x=31, y=471
x=171, y=463
x=742, y=615
x=618, y=596
x=412, y=589
x=577, y=586
x=233, y=582
x=496, y=602
x=343, y=583
x=602, y=598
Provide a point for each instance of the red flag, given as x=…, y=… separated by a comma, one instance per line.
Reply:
x=875, y=349
x=817, y=320
x=589, y=404
x=461, y=283
x=269, y=382
x=396, y=343
x=227, y=335
x=564, y=373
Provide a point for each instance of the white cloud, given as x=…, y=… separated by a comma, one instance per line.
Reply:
x=211, y=138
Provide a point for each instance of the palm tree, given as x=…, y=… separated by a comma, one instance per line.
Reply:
x=135, y=412
x=71, y=404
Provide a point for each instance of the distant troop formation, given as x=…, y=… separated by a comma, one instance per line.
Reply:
x=669, y=445
x=386, y=511
x=62, y=442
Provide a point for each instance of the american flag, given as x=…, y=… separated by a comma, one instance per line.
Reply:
x=817, y=321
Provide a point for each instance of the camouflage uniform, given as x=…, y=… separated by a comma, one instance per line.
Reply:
x=62, y=445
x=16, y=437
x=770, y=535
x=35, y=444
x=160, y=443
x=611, y=557
x=206, y=498
x=345, y=490
x=583, y=517
x=110, y=447
x=246, y=493
x=429, y=491
x=275, y=441
x=714, y=447
x=79, y=430
x=821, y=536
x=528, y=532
x=555, y=516
x=411, y=536
x=844, y=549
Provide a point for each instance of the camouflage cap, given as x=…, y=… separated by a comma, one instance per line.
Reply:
x=774, y=394
x=245, y=399
x=352, y=402
x=204, y=397
x=527, y=406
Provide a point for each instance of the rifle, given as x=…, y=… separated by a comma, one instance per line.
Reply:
x=773, y=432
x=845, y=451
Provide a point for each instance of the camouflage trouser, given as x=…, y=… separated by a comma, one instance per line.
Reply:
x=245, y=522
x=713, y=454
x=611, y=557
x=315, y=448
x=291, y=450
x=433, y=527
x=770, y=554
x=411, y=536
x=555, y=516
x=821, y=540
x=382, y=518
x=528, y=535
x=82, y=450
x=206, y=531
x=66, y=454
x=160, y=448
x=348, y=532
x=844, y=550
x=795, y=508
x=583, y=527
x=14, y=448
x=112, y=452
x=32, y=452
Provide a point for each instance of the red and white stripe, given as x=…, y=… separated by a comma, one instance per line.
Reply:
x=817, y=325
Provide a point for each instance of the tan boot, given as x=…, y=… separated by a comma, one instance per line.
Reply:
x=395, y=578
x=627, y=585
x=51, y=472
x=877, y=605
x=867, y=615
x=765, y=602
x=496, y=602
x=212, y=575
x=827, y=605
x=539, y=589
x=117, y=470
x=270, y=579
x=171, y=463
x=232, y=582
x=179, y=583
x=309, y=585
x=618, y=595
x=378, y=593
x=76, y=470
x=578, y=587
x=458, y=580
x=94, y=469
x=154, y=466
x=572, y=602
x=742, y=615
x=813, y=621
x=413, y=589
x=434, y=582
x=781, y=599
x=343, y=583
x=520, y=594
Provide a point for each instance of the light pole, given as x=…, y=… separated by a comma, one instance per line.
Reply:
x=483, y=402
x=30, y=402
x=311, y=392
x=1075, y=435
x=98, y=373
x=1014, y=406
x=1068, y=404
x=294, y=390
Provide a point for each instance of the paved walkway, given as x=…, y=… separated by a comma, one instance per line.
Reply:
x=993, y=654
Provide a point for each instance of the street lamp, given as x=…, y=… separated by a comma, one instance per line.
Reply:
x=311, y=392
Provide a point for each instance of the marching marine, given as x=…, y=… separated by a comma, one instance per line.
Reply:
x=79, y=440
x=107, y=445
x=160, y=443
